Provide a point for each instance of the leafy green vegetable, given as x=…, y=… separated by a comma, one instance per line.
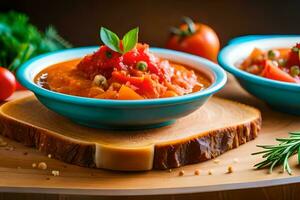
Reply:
x=20, y=40
x=111, y=40
x=130, y=39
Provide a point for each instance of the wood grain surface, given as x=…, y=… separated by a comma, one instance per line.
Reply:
x=17, y=174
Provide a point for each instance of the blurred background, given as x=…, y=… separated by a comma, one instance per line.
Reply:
x=78, y=21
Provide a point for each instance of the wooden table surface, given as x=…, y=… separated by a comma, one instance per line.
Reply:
x=15, y=170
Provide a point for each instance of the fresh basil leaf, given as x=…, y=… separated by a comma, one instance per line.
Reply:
x=130, y=39
x=110, y=39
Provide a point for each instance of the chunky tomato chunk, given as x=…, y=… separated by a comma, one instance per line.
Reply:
x=143, y=72
x=278, y=64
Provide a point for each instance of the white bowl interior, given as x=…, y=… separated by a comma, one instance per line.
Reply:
x=40, y=64
x=239, y=52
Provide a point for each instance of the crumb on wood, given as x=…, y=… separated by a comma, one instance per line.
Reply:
x=25, y=153
x=49, y=156
x=9, y=148
x=229, y=169
x=197, y=172
x=181, y=173
x=42, y=165
x=235, y=160
x=55, y=172
x=169, y=170
x=34, y=165
x=47, y=178
x=210, y=172
x=216, y=161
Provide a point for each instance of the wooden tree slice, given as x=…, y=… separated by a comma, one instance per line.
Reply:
x=220, y=125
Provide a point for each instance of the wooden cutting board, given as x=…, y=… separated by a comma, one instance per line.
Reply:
x=220, y=125
x=16, y=170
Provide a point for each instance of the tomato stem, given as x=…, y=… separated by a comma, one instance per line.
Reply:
x=191, y=28
x=191, y=25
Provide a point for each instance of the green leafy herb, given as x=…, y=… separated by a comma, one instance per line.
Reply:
x=279, y=154
x=20, y=40
x=111, y=40
x=130, y=39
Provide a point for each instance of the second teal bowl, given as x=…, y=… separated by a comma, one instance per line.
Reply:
x=279, y=95
x=121, y=114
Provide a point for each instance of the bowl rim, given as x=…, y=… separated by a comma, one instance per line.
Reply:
x=243, y=40
x=218, y=73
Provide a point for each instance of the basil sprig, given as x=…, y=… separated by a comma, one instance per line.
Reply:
x=111, y=40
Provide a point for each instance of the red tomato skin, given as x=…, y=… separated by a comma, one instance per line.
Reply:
x=7, y=83
x=19, y=86
x=204, y=42
x=293, y=58
x=144, y=85
x=272, y=72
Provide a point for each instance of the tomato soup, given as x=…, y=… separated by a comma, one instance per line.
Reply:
x=106, y=74
x=282, y=64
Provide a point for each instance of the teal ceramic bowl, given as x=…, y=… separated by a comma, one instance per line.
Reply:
x=121, y=114
x=281, y=96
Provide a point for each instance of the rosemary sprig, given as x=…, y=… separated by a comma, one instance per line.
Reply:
x=279, y=154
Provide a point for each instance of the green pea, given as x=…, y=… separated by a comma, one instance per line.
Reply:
x=295, y=71
x=108, y=54
x=271, y=54
x=142, y=66
x=295, y=49
x=100, y=81
x=282, y=62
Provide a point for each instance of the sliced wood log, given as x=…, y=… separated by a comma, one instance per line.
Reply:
x=220, y=125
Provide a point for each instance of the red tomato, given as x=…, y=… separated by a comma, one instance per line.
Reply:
x=195, y=38
x=293, y=57
x=19, y=86
x=273, y=72
x=7, y=83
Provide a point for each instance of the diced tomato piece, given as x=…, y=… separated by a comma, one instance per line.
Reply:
x=293, y=58
x=271, y=71
x=144, y=85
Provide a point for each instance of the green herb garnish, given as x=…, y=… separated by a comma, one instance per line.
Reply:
x=20, y=40
x=111, y=40
x=279, y=154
